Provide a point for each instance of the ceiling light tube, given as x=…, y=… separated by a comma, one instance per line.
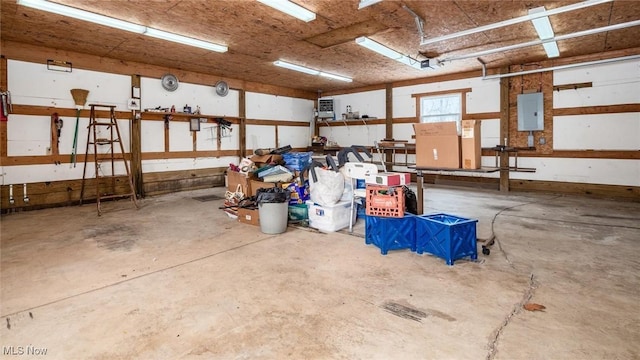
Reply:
x=365, y=3
x=575, y=6
x=335, y=77
x=561, y=67
x=295, y=67
x=184, y=40
x=290, y=8
x=83, y=15
x=388, y=52
x=545, y=32
x=306, y=70
x=540, y=42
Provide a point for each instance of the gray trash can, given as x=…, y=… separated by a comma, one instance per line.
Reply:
x=273, y=208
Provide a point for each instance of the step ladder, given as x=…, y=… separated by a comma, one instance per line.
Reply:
x=104, y=137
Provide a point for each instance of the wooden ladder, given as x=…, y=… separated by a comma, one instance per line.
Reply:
x=105, y=157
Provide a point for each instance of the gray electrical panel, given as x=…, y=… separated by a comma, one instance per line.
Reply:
x=530, y=112
x=325, y=108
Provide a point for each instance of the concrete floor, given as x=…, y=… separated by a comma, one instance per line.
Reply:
x=179, y=279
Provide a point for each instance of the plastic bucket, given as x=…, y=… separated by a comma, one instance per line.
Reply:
x=273, y=217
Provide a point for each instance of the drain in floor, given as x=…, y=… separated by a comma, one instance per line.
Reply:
x=208, y=198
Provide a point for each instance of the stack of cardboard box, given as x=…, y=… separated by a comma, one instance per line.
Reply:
x=438, y=145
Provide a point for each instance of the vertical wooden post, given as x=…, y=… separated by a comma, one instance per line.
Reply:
x=242, y=132
x=388, y=129
x=136, y=141
x=3, y=124
x=316, y=126
x=504, y=130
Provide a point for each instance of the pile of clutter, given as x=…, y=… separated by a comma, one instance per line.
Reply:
x=278, y=168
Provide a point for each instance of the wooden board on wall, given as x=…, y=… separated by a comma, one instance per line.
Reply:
x=172, y=181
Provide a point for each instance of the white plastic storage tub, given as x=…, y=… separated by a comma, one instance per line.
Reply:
x=329, y=218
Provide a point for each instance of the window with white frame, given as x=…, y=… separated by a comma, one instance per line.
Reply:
x=441, y=108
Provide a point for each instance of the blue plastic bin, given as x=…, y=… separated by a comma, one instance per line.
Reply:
x=391, y=233
x=296, y=161
x=447, y=236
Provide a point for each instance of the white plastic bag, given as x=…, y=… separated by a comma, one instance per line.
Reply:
x=328, y=188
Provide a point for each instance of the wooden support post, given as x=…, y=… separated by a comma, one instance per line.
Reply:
x=388, y=131
x=504, y=131
x=242, y=132
x=3, y=124
x=136, y=141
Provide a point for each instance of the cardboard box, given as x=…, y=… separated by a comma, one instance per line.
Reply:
x=471, y=149
x=261, y=160
x=255, y=185
x=437, y=145
x=249, y=216
x=234, y=178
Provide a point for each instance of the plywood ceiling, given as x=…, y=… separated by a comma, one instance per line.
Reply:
x=258, y=35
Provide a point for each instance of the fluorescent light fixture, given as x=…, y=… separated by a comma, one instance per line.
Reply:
x=390, y=53
x=306, y=70
x=365, y=3
x=295, y=67
x=335, y=77
x=290, y=8
x=83, y=15
x=545, y=31
x=184, y=40
x=118, y=24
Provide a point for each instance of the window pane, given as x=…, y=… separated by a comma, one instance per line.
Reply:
x=441, y=108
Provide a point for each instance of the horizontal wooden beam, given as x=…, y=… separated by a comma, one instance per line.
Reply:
x=482, y=116
x=594, y=110
x=443, y=92
x=276, y=122
x=68, y=112
x=182, y=117
x=578, y=154
x=575, y=86
x=40, y=54
x=188, y=154
x=597, y=190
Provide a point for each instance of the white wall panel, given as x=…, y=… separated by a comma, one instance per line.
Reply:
x=614, y=83
x=154, y=95
x=484, y=97
x=490, y=133
x=371, y=103
x=51, y=172
x=33, y=84
x=180, y=137
x=152, y=133
x=353, y=134
x=160, y=165
x=403, y=132
x=261, y=136
x=273, y=107
x=597, y=132
x=28, y=135
x=296, y=136
x=592, y=171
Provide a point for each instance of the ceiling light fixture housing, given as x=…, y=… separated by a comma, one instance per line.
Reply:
x=310, y=71
x=119, y=24
x=388, y=52
x=291, y=8
x=545, y=32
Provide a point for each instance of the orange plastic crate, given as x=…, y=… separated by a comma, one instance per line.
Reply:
x=385, y=201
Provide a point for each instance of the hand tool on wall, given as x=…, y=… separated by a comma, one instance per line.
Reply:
x=5, y=103
x=80, y=98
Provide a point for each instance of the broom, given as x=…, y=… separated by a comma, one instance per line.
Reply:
x=80, y=98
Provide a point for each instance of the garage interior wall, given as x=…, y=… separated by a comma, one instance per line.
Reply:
x=592, y=133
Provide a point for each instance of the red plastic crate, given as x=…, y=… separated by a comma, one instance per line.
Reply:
x=385, y=201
